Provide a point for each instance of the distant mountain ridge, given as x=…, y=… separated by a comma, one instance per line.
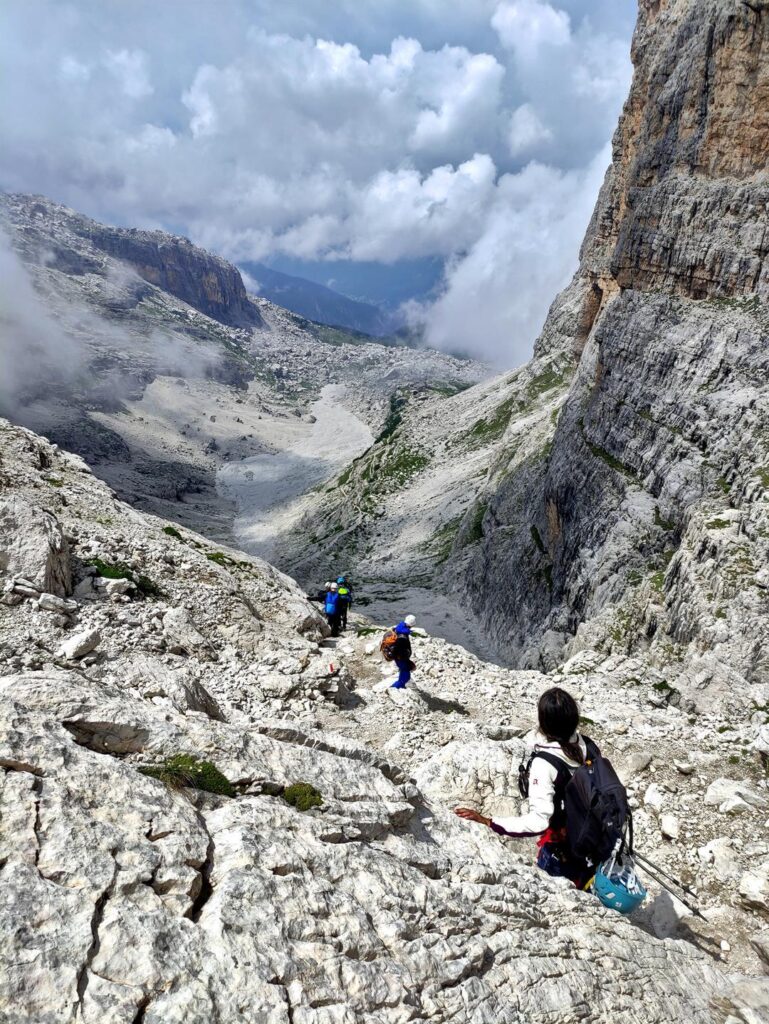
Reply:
x=318, y=302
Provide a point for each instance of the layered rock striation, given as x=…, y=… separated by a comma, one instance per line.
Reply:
x=172, y=263
x=655, y=483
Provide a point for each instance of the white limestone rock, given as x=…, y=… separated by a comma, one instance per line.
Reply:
x=730, y=794
x=80, y=644
x=654, y=798
x=33, y=545
x=669, y=826
x=754, y=887
x=183, y=636
x=52, y=603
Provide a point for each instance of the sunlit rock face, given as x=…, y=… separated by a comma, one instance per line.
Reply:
x=649, y=500
x=127, y=898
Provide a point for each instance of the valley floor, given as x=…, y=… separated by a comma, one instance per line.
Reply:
x=310, y=451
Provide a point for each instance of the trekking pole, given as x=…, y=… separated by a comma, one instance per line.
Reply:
x=671, y=878
x=695, y=910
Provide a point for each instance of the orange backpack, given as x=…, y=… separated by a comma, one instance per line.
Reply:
x=387, y=644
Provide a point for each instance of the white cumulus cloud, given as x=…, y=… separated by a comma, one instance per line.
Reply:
x=342, y=129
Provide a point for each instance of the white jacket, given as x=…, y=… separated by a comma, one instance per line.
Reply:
x=541, y=788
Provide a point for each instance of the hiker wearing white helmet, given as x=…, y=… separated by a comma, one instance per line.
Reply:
x=396, y=646
x=332, y=608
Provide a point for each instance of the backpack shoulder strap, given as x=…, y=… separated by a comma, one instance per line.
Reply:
x=592, y=749
x=557, y=762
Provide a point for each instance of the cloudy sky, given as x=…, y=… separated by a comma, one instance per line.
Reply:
x=469, y=136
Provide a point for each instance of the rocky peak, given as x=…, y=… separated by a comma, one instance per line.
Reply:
x=171, y=262
x=662, y=436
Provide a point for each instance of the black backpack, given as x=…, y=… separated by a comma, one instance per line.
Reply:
x=590, y=803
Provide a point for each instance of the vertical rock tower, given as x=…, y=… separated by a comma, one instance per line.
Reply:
x=654, y=487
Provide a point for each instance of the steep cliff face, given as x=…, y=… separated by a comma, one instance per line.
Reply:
x=172, y=263
x=651, y=504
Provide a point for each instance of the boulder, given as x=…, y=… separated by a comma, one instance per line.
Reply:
x=760, y=942
x=722, y=855
x=52, y=603
x=654, y=798
x=80, y=644
x=669, y=826
x=33, y=545
x=637, y=763
x=754, y=887
x=182, y=635
x=726, y=794
x=152, y=678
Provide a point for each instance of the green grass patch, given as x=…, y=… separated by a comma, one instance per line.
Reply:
x=723, y=485
x=53, y=481
x=394, y=417
x=171, y=531
x=657, y=581
x=634, y=577
x=121, y=571
x=303, y=796
x=744, y=304
x=486, y=430
x=448, y=389
x=611, y=460
x=182, y=771
x=399, y=466
x=763, y=475
x=221, y=559
x=718, y=524
x=546, y=381
x=584, y=720
x=621, y=630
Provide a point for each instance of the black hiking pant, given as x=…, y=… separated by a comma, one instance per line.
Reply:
x=334, y=620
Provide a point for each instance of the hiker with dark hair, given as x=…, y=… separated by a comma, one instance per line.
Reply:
x=557, y=752
x=331, y=608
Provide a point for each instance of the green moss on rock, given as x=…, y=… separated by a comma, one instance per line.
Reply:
x=182, y=771
x=120, y=571
x=303, y=796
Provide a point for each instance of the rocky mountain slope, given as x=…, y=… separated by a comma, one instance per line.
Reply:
x=612, y=494
x=651, y=505
x=145, y=355
x=126, y=642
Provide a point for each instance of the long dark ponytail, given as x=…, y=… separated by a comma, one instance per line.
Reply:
x=558, y=719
